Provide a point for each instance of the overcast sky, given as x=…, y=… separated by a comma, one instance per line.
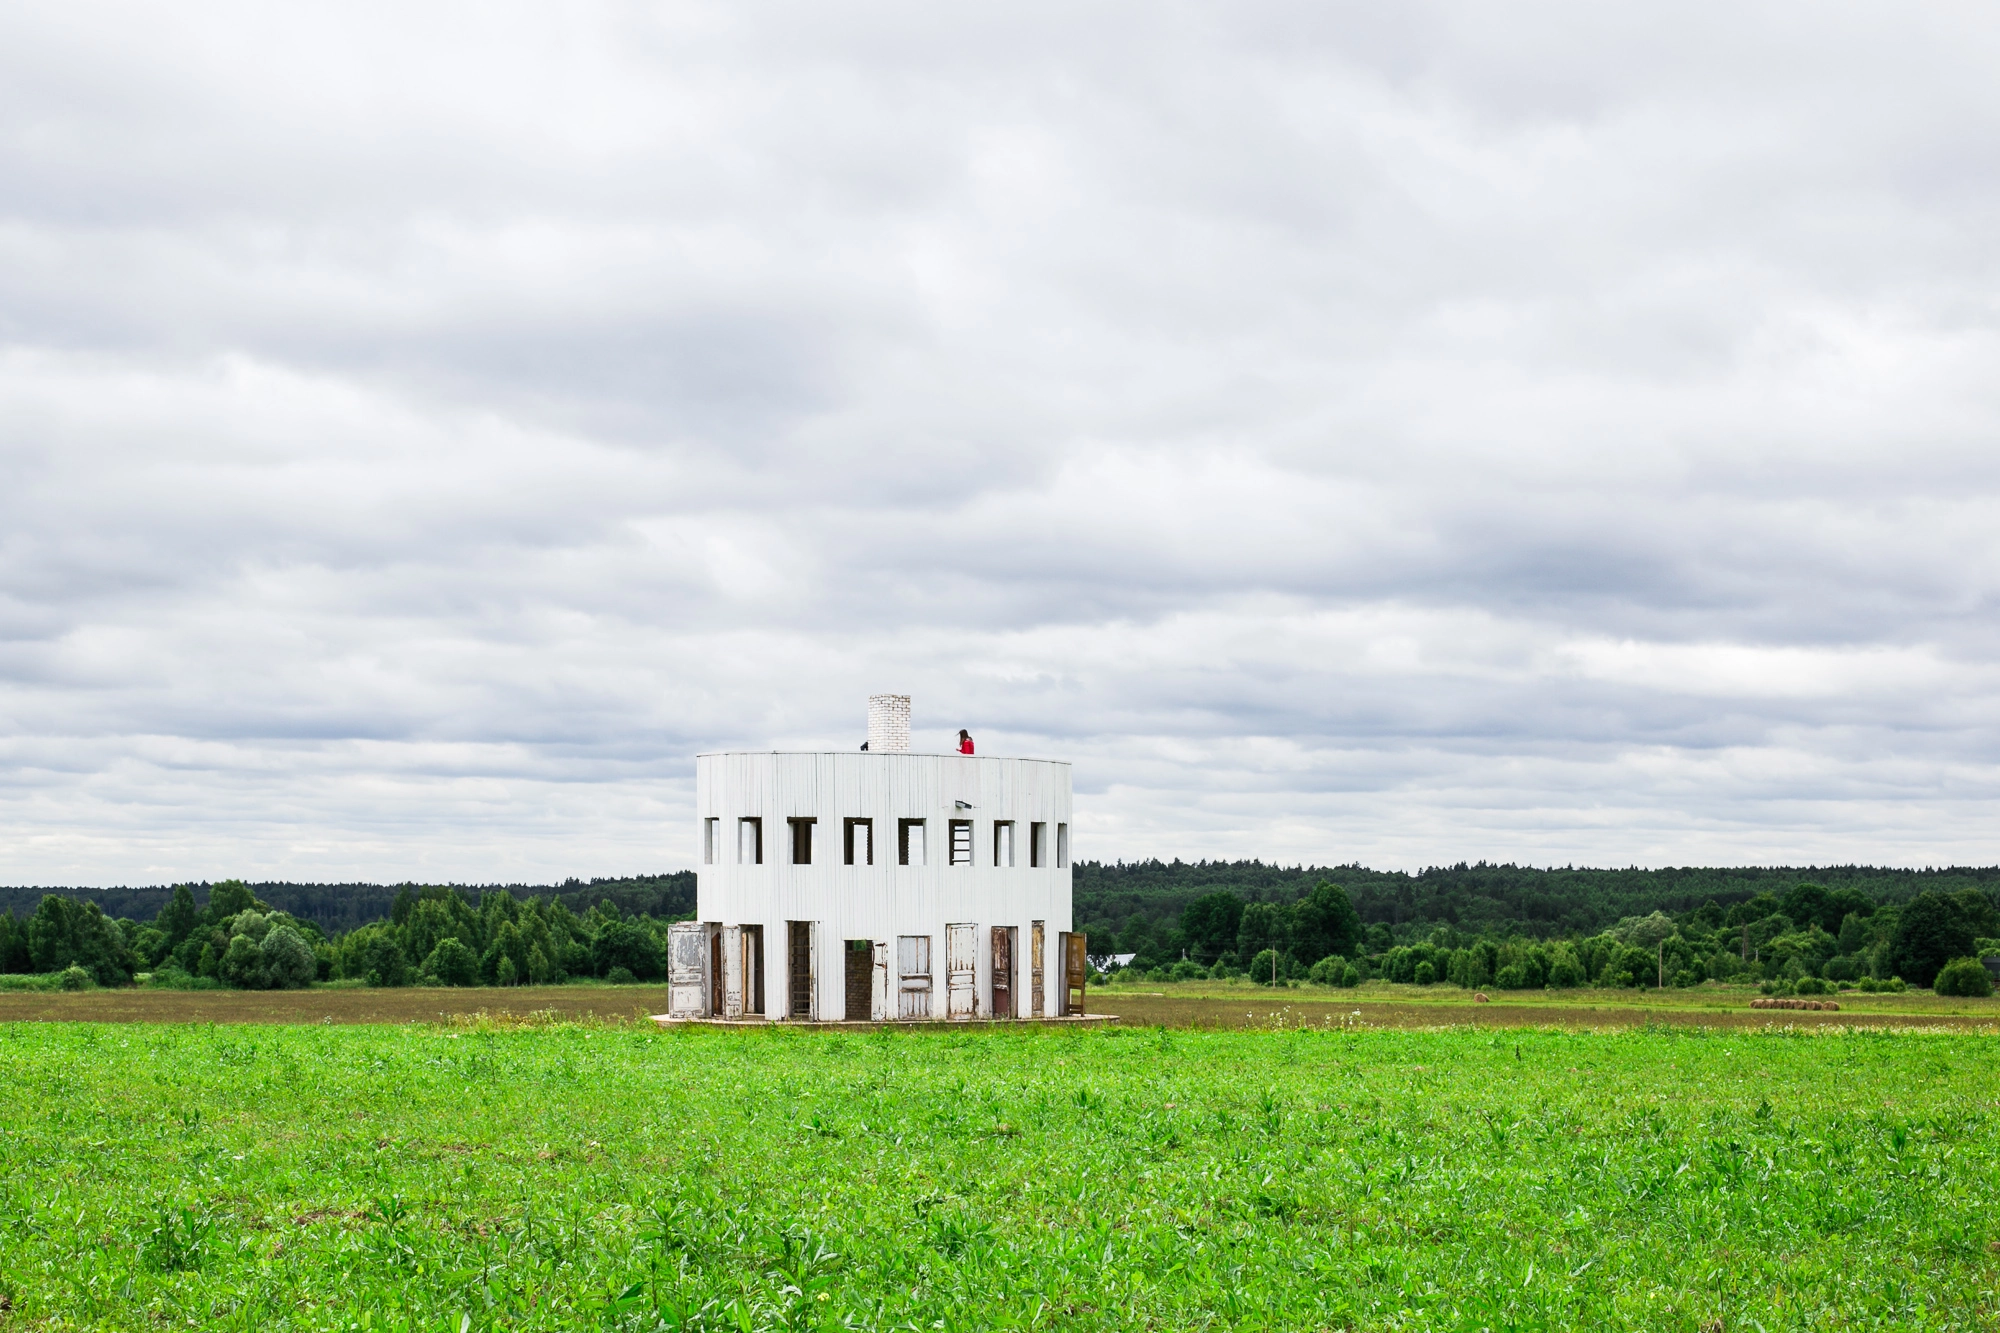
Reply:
x=1387, y=433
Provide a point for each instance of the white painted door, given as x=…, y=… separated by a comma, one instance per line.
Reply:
x=732, y=971
x=913, y=976
x=882, y=1001
x=687, y=969
x=961, y=953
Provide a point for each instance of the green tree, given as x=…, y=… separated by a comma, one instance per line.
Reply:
x=178, y=919
x=64, y=933
x=1265, y=965
x=1930, y=932
x=242, y=964
x=1259, y=928
x=287, y=961
x=1324, y=922
x=1809, y=904
x=228, y=898
x=452, y=963
x=1210, y=924
x=14, y=955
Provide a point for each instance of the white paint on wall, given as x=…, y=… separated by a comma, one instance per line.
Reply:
x=894, y=897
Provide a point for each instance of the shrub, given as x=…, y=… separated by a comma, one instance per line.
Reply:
x=452, y=963
x=1187, y=970
x=1350, y=976
x=1811, y=986
x=1964, y=977
x=1261, y=967
x=1776, y=986
x=1514, y=976
x=621, y=976
x=1425, y=974
x=74, y=977
x=1326, y=972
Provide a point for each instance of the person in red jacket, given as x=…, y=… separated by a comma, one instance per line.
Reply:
x=964, y=741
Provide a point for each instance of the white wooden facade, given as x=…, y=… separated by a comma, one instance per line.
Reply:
x=877, y=886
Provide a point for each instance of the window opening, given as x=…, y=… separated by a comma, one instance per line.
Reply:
x=802, y=841
x=859, y=840
x=1062, y=846
x=910, y=842
x=961, y=842
x=1038, y=851
x=750, y=841
x=1003, y=842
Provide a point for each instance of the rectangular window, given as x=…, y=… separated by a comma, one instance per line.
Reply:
x=961, y=842
x=1003, y=842
x=859, y=840
x=750, y=842
x=1038, y=849
x=910, y=842
x=802, y=841
x=711, y=833
x=1062, y=846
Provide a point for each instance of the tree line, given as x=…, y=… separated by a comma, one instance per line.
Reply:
x=1805, y=940
x=431, y=935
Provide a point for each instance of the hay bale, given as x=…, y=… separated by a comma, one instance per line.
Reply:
x=1830, y=1004
x=1479, y=997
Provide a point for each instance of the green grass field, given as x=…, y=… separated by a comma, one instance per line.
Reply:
x=156, y=1176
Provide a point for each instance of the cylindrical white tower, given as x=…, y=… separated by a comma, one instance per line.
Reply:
x=878, y=886
x=888, y=723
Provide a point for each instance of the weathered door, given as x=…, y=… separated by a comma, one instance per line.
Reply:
x=732, y=971
x=1076, y=965
x=799, y=969
x=961, y=970
x=1035, y=989
x=687, y=973
x=913, y=976
x=1003, y=971
x=753, y=971
x=860, y=957
x=882, y=996
x=714, y=970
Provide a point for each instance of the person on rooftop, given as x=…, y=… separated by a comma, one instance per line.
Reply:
x=964, y=741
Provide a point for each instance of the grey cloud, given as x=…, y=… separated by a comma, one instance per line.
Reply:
x=1406, y=435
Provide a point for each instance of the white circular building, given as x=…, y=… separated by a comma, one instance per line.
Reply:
x=879, y=885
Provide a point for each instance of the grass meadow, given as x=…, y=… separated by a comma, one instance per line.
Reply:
x=554, y=1175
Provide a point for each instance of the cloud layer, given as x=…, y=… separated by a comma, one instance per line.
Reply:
x=1558, y=433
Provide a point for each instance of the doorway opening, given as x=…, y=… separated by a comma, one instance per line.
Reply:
x=860, y=980
x=798, y=953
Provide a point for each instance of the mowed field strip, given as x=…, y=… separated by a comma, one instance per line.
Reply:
x=546, y=1175
x=1171, y=1004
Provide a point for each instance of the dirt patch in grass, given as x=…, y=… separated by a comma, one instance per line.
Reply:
x=1168, y=1010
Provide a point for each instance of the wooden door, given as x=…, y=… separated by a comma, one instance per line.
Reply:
x=714, y=971
x=1003, y=971
x=1035, y=989
x=732, y=971
x=961, y=969
x=913, y=976
x=687, y=975
x=1076, y=964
